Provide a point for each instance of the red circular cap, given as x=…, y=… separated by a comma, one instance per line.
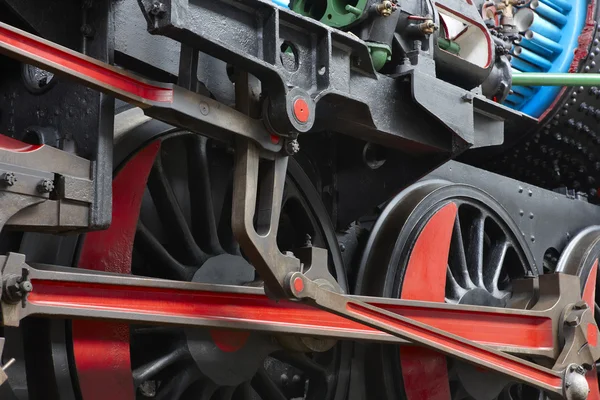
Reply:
x=301, y=110
x=298, y=284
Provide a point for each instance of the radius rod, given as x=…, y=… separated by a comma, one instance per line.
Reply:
x=559, y=326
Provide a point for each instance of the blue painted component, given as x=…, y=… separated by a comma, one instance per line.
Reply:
x=560, y=5
x=282, y=3
x=525, y=91
x=539, y=61
x=541, y=45
x=524, y=66
x=546, y=46
x=549, y=13
x=515, y=99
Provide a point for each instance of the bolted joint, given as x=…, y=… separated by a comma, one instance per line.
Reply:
x=158, y=8
x=572, y=320
x=291, y=147
x=386, y=8
x=46, y=186
x=8, y=179
x=428, y=27
x=15, y=288
x=575, y=385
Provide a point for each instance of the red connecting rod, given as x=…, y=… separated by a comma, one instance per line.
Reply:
x=210, y=305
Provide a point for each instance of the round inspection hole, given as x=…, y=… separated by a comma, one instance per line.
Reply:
x=289, y=56
x=37, y=80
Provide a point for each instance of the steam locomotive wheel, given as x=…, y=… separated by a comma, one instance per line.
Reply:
x=181, y=222
x=445, y=243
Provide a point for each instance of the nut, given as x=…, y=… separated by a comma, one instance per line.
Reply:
x=158, y=8
x=292, y=147
x=428, y=27
x=9, y=178
x=386, y=8
x=46, y=186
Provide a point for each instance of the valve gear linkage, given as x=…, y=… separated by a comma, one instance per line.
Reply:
x=302, y=276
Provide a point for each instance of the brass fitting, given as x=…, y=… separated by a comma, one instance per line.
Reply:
x=428, y=27
x=385, y=8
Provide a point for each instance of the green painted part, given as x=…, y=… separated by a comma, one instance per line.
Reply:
x=449, y=45
x=555, y=79
x=380, y=54
x=335, y=13
x=353, y=10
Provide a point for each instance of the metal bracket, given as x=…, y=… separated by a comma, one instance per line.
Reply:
x=549, y=380
x=15, y=288
x=255, y=226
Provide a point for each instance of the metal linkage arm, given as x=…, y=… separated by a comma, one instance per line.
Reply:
x=166, y=102
x=577, y=356
x=72, y=293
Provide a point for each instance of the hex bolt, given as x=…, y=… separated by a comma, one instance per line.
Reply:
x=46, y=186
x=9, y=178
x=26, y=287
x=292, y=147
x=158, y=8
x=385, y=8
x=572, y=320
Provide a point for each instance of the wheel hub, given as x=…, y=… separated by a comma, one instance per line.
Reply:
x=481, y=297
x=228, y=358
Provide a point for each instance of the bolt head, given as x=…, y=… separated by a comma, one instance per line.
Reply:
x=572, y=320
x=292, y=147
x=26, y=287
x=9, y=179
x=46, y=186
x=158, y=8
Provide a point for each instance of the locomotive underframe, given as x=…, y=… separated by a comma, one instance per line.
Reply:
x=82, y=198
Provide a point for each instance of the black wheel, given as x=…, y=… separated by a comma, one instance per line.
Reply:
x=184, y=233
x=441, y=242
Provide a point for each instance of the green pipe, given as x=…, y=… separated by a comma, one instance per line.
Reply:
x=554, y=79
x=449, y=45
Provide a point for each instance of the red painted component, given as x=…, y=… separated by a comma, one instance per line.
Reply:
x=298, y=285
x=301, y=110
x=258, y=309
x=592, y=335
x=440, y=341
x=229, y=341
x=101, y=349
x=10, y=144
x=275, y=139
x=589, y=296
x=424, y=372
x=81, y=66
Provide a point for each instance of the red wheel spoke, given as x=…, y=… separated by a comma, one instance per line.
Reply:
x=424, y=372
x=101, y=349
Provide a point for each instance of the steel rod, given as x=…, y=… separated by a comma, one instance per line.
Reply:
x=69, y=293
x=555, y=79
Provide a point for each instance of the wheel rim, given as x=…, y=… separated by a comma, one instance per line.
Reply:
x=451, y=243
x=192, y=362
x=580, y=258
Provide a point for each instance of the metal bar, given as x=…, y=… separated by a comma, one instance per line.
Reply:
x=555, y=79
x=166, y=102
x=71, y=293
x=426, y=335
